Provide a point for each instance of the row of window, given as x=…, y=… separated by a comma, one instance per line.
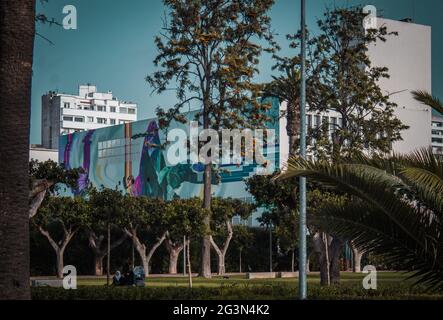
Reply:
x=123, y=110
x=91, y=120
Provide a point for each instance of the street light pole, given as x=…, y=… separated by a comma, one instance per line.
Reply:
x=302, y=231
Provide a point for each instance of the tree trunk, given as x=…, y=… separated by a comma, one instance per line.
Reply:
x=17, y=24
x=205, y=266
x=188, y=254
x=98, y=264
x=336, y=248
x=95, y=243
x=141, y=248
x=59, y=248
x=60, y=264
x=319, y=249
x=174, y=250
x=239, y=263
x=221, y=253
x=37, y=195
x=356, y=256
x=293, y=126
x=308, y=264
x=292, y=260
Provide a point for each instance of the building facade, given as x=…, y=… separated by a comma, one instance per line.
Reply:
x=66, y=113
x=37, y=152
x=409, y=60
x=437, y=133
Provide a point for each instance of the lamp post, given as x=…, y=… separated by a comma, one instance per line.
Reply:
x=302, y=187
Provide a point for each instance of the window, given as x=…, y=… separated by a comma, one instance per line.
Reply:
x=123, y=110
x=317, y=122
x=68, y=118
x=113, y=109
x=112, y=121
x=66, y=105
x=101, y=120
x=79, y=119
x=90, y=119
x=122, y=121
x=131, y=111
x=101, y=108
x=309, y=120
x=437, y=140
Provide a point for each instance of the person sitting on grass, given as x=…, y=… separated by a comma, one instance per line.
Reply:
x=117, y=279
x=128, y=276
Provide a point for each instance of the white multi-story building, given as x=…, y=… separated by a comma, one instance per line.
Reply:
x=67, y=113
x=437, y=133
x=408, y=58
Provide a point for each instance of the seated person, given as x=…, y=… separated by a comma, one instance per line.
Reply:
x=117, y=279
x=128, y=276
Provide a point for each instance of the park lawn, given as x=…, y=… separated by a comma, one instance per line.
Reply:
x=391, y=278
x=391, y=286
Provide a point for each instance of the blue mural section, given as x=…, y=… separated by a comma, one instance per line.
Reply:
x=130, y=157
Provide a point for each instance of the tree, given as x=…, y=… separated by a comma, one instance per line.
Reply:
x=395, y=208
x=106, y=210
x=184, y=218
x=60, y=218
x=242, y=239
x=44, y=177
x=343, y=80
x=208, y=54
x=286, y=87
x=16, y=58
x=140, y=215
x=223, y=210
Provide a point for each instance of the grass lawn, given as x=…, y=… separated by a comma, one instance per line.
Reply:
x=390, y=285
x=383, y=278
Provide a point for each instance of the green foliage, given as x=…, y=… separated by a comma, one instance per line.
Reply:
x=237, y=291
x=184, y=218
x=143, y=213
x=64, y=213
x=394, y=210
x=209, y=52
x=342, y=79
x=106, y=205
x=224, y=209
x=52, y=172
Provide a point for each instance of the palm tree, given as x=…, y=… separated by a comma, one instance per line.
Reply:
x=429, y=100
x=287, y=88
x=395, y=208
x=17, y=26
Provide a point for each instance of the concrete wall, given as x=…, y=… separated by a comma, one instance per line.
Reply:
x=42, y=154
x=408, y=57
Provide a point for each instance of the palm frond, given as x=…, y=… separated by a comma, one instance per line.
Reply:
x=427, y=99
x=371, y=231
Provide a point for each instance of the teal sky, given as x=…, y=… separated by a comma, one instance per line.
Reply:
x=113, y=46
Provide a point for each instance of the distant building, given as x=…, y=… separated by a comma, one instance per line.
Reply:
x=408, y=58
x=37, y=152
x=437, y=133
x=66, y=113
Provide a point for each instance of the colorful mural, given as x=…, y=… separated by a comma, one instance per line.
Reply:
x=130, y=157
